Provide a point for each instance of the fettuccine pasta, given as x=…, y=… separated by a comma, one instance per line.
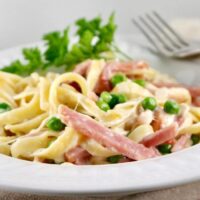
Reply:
x=101, y=112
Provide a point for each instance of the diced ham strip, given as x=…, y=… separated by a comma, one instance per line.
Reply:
x=196, y=102
x=83, y=67
x=106, y=137
x=160, y=136
x=161, y=119
x=181, y=143
x=166, y=84
x=158, y=119
x=156, y=151
x=76, y=86
x=124, y=159
x=172, y=141
x=104, y=84
x=180, y=120
x=194, y=90
x=195, y=93
x=78, y=156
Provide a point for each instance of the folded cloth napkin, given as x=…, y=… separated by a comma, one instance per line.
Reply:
x=186, y=192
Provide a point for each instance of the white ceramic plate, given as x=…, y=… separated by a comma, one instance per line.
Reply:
x=167, y=171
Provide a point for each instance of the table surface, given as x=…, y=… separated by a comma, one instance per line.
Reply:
x=185, y=192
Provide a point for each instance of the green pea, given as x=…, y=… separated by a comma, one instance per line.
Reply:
x=108, y=101
x=171, y=107
x=4, y=107
x=106, y=97
x=164, y=148
x=195, y=139
x=114, y=159
x=140, y=82
x=121, y=98
x=118, y=78
x=114, y=101
x=149, y=103
x=55, y=124
x=103, y=105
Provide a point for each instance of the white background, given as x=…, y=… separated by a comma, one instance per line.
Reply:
x=24, y=21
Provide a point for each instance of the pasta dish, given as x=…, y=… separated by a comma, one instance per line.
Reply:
x=103, y=110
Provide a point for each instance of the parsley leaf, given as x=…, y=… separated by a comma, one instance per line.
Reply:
x=33, y=62
x=16, y=67
x=89, y=25
x=95, y=40
x=57, y=47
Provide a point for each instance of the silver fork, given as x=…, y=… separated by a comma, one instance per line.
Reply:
x=164, y=38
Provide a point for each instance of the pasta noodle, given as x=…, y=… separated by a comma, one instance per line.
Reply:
x=26, y=130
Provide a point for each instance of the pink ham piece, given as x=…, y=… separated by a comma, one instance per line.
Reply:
x=83, y=67
x=92, y=129
x=195, y=93
x=181, y=143
x=160, y=136
x=166, y=84
x=156, y=151
x=157, y=120
x=194, y=90
x=111, y=68
x=124, y=160
x=196, y=101
x=78, y=156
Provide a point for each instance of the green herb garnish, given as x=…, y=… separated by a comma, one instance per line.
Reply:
x=33, y=62
x=94, y=39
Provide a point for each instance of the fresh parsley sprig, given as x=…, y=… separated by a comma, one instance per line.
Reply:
x=57, y=47
x=33, y=62
x=94, y=41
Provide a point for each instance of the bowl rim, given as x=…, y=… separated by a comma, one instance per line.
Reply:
x=145, y=175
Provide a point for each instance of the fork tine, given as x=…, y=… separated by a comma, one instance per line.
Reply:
x=162, y=29
x=151, y=39
x=157, y=34
x=181, y=40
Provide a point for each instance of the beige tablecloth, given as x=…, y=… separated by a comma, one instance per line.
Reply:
x=186, y=192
